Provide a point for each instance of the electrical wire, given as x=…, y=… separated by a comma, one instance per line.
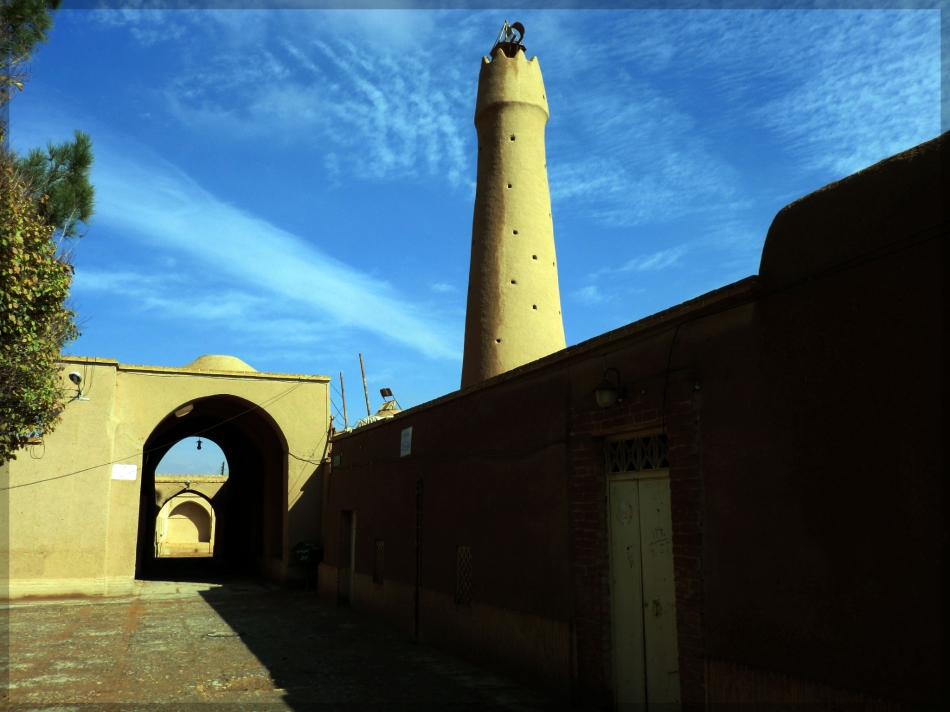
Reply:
x=267, y=402
x=455, y=455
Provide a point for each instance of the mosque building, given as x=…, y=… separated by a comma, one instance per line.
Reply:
x=735, y=499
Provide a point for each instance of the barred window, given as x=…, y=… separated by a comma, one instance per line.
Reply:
x=636, y=454
x=463, y=576
x=379, y=559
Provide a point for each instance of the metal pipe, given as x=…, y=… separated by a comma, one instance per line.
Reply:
x=419, y=486
x=346, y=423
x=365, y=389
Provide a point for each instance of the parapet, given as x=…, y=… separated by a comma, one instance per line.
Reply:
x=884, y=203
x=504, y=79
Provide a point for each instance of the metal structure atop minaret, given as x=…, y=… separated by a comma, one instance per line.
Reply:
x=514, y=306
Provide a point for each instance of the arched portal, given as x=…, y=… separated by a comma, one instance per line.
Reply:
x=249, y=509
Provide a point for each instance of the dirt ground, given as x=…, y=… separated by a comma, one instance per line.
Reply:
x=241, y=645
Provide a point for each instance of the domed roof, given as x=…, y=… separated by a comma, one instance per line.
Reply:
x=215, y=362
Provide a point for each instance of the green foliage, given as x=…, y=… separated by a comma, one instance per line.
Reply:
x=34, y=325
x=23, y=24
x=61, y=173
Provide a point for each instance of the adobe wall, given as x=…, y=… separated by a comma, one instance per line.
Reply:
x=76, y=534
x=509, y=509
x=57, y=532
x=801, y=411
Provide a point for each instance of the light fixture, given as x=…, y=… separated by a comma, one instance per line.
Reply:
x=608, y=393
x=182, y=412
x=199, y=443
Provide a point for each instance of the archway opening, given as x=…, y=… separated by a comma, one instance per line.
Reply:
x=199, y=525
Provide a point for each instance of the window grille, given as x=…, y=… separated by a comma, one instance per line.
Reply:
x=636, y=454
x=463, y=576
x=379, y=560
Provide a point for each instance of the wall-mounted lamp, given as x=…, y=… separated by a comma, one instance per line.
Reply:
x=608, y=393
x=182, y=412
x=76, y=378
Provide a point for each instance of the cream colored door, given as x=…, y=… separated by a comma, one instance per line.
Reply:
x=659, y=593
x=626, y=609
x=643, y=598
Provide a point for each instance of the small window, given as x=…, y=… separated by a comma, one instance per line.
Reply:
x=463, y=576
x=637, y=454
x=379, y=560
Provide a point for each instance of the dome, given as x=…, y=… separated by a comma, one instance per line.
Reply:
x=214, y=362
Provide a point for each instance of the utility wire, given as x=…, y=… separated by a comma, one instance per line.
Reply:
x=269, y=401
x=454, y=455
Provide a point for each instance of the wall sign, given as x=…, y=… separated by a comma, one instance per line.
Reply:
x=124, y=472
x=405, y=442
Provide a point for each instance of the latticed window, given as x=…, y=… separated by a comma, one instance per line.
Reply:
x=463, y=576
x=648, y=453
x=379, y=560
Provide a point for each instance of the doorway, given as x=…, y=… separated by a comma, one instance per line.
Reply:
x=248, y=503
x=642, y=592
x=347, y=557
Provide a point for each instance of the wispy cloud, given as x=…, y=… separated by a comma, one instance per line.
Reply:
x=367, y=87
x=588, y=295
x=443, y=288
x=656, y=261
x=856, y=108
x=162, y=206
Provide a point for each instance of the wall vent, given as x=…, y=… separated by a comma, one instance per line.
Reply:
x=637, y=454
x=379, y=560
x=463, y=576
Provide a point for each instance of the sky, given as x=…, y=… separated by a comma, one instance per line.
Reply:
x=296, y=187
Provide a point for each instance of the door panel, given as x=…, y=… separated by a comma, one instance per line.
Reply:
x=346, y=557
x=659, y=593
x=625, y=592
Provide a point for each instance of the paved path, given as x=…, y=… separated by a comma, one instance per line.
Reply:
x=245, y=645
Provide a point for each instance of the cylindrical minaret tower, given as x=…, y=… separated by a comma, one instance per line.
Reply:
x=514, y=307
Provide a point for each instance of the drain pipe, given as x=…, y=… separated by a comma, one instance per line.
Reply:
x=418, y=553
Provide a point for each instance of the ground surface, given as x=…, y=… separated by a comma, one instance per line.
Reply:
x=241, y=645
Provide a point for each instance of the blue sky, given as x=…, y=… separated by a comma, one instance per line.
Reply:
x=296, y=187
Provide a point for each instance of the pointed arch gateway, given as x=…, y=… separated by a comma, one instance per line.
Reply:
x=249, y=509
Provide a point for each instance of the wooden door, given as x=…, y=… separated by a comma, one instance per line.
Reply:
x=642, y=594
x=626, y=593
x=347, y=555
x=659, y=593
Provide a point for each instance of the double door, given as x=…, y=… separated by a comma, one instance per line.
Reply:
x=642, y=593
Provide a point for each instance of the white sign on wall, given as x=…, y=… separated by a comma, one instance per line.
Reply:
x=405, y=442
x=124, y=472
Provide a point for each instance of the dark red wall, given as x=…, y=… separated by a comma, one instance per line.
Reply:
x=480, y=490
x=802, y=414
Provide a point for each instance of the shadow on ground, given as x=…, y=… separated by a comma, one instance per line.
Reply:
x=199, y=636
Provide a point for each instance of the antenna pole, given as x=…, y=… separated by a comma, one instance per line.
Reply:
x=365, y=389
x=346, y=423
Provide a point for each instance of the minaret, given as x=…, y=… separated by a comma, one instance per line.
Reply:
x=514, y=307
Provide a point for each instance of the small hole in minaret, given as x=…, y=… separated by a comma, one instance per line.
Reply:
x=534, y=257
x=512, y=137
x=509, y=185
x=513, y=282
x=497, y=341
x=534, y=306
x=514, y=232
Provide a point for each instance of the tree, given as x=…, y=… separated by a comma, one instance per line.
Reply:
x=41, y=196
x=34, y=323
x=24, y=24
x=61, y=173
